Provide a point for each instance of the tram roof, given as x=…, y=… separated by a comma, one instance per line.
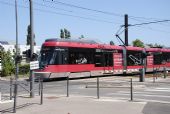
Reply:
x=84, y=43
x=134, y=48
x=153, y=49
x=81, y=43
x=165, y=50
x=71, y=40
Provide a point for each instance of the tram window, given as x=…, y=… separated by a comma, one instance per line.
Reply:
x=61, y=56
x=104, y=59
x=157, y=59
x=108, y=59
x=99, y=59
x=80, y=56
x=134, y=58
x=166, y=57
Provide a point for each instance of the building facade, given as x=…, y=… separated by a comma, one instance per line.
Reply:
x=21, y=48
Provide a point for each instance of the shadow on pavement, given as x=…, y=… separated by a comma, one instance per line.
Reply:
x=156, y=108
x=10, y=110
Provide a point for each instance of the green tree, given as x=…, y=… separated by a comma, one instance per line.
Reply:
x=112, y=43
x=8, y=65
x=158, y=45
x=155, y=45
x=138, y=43
x=68, y=34
x=150, y=45
x=62, y=33
x=81, y=37
x=65, y=34
x=29, y=36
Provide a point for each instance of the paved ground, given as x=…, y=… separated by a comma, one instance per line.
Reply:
x=149, y=97
x=79, y=105
x=85, y=105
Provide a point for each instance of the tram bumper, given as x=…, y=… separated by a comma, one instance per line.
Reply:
x=43, y=75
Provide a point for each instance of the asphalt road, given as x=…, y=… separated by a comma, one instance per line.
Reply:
x=109, y=87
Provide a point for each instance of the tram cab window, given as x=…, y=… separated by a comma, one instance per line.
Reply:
x=53, y=56
x=46, y=55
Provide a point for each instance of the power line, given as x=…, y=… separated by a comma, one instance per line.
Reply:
x=100, y=11
x=119, y=29
x=51, y=7
x=69, y=12
x=53, y=12
x=84, y=8
x=120, y=32
x=92, y=19
x=138, y=25
x=142, y=20
x=105, y=12
x=87, y=18
x=150, y=23
x=153, y=29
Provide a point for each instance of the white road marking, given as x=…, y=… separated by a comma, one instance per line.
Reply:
x=6, y=101
x=163, y=88
x=142, y=94
x=147, y=100
x=159, y=89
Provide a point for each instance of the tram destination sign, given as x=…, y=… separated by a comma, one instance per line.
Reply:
x=34, y=65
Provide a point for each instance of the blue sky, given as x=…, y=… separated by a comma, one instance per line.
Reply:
x=47, y=21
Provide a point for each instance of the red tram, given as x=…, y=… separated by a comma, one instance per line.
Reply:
x=80, y=58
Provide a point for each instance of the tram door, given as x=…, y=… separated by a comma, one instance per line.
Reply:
x=108, y=61
x=104, y=59
x=98, y=59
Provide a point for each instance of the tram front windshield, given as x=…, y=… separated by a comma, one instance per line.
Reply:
x=47, y=56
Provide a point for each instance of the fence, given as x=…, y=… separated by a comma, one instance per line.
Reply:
x=9, y=93
x=87, y=87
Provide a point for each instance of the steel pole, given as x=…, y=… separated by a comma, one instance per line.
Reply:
x=98, y=93
x=131, y=89
x=67, y=86
x=126, y=30
x=11, y=88
x=41, y=82
x=32, y=50
x=16, y=63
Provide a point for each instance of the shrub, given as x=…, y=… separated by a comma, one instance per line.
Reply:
x=24, y=69
x=8, y=65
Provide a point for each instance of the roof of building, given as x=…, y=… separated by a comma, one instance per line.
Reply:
x=4, y=43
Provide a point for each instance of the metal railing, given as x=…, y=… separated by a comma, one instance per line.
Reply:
x=23, y=88
x=98, y=87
